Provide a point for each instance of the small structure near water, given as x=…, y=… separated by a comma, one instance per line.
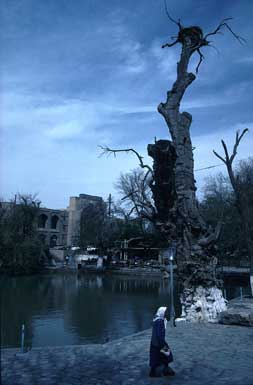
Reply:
x=90, y=261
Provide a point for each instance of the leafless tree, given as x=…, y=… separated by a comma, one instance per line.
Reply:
x=172, y=176
x=134, y=187
x=194, y=238
x=241, y=182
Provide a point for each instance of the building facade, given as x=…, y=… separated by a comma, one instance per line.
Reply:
x=75, y=208
x=62, y=227
x=53, y=227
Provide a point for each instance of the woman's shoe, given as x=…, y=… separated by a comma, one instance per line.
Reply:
x=168, y=371
x=153, y=373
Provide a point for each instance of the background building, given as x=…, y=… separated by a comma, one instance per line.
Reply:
x=75, y=208
x=53, y=226
x=62, y=227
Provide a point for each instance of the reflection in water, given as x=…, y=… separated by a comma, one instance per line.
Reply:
x=66, y=309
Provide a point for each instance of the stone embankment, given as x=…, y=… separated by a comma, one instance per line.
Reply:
x=145, y=271
x=205, y=354
x=239, y=312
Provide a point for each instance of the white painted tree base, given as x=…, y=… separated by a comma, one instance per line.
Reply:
x=202, y=304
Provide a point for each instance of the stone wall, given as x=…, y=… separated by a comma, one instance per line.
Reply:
x=62, y=227
x=58, y=255
x=52, y=226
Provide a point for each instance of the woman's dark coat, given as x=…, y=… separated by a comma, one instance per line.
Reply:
x=157, y=343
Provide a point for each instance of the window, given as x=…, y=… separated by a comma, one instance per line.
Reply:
x=53, y=241
x=42, y=221
x=54, y=221
x=42, y=238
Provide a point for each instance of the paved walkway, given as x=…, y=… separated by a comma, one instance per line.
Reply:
x=205, y=354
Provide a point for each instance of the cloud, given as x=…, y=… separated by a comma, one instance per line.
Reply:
x=83, y=74
x=40, y=116
x=246, y=59
x=165, y=60
x=73, y=119
x=132, y=55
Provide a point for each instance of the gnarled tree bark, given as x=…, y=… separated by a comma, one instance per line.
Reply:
x=193, y=237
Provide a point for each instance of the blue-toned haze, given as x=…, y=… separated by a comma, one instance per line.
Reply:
x=76, y=74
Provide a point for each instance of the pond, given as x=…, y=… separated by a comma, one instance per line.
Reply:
x=69, y=309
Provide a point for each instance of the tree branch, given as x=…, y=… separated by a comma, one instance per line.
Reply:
x=213, y=237
x=224, y=24
x=107, y=150
x=219, y=156
x=195, y=35
x=139, y=208
x=237, y=142
x=145, y=177
x=142, y=203
x=170, y=45
x=130, y=212
x=229, y=159
x=226, y=151
x=128, y=195
x=171, y=19
x=201, y=57
x=216, y=49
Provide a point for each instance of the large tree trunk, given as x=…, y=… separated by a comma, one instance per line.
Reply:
x=190, y=226
x=196, y=267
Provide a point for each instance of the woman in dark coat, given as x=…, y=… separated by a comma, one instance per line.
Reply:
x=160, y=354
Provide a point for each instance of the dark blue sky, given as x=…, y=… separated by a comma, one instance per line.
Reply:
x=75, y=74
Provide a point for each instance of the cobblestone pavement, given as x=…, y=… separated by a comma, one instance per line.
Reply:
x=205, y=354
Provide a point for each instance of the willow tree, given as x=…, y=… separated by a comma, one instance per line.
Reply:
x=173, y=185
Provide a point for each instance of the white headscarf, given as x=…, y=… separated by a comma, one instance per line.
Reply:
x=160, y=314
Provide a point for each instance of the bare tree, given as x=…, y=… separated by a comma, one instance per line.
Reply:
x=173, y=183
x=219, y=198
x=241, y=184
x=194, y=238
x=134, y=186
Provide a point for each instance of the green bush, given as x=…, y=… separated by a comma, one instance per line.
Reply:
x=21, y=250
